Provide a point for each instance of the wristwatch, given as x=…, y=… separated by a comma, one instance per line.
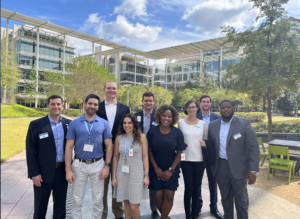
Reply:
x=173, y=171
x=253, y=172
x=107, y=164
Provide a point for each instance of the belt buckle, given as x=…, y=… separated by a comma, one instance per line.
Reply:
x=89, y=161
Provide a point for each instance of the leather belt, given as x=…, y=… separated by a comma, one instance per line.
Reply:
x=88, y=161
x=58, y=164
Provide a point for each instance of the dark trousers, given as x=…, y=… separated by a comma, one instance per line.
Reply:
x=212, y=184
x=42, y=194
x=232, y=189
x=192, y=176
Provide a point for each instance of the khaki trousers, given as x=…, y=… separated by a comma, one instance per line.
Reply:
x=117, y=207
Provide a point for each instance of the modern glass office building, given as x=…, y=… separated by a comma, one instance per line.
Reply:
x=51, y=55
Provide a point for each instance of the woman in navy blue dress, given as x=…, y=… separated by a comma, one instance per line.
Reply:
x=165, y=144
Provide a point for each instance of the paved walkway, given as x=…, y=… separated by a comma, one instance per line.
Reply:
x=17, y=198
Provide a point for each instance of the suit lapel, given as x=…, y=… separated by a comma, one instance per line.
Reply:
x=218, y=137
x=142, y=121
x=49, y=130
x=117, y=115
x=103, y=111
x=231, y=129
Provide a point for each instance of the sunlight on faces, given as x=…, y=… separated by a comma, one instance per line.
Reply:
x=91, y=106
x=127, y=125
x=192, y=109
x=148, y=103
x=166, y=118
x=55, y=106
x=205, y=104
x=111, y=90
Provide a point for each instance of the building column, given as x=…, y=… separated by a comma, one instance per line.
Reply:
x=201, y=61
x=182, y=67
x=147, y=71
x=220, y=66
x=166, y=75
x=134, y=70
x=37, y=65
x=100, y=61
x=116, y=68
x=93, y=50
x=153, y=71
x=64, y=68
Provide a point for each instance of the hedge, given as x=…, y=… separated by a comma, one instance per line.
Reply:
x=278, y=127
x=252, y=116
x=72, y=112
x=9, y=110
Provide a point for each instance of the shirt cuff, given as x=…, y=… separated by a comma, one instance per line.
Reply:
x=35, y=176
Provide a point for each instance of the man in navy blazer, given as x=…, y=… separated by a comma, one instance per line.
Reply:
x=146, y=121
x=207, y=116
x=45, y=146
x=112, y=111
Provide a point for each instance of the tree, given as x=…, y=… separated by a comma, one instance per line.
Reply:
x=161, y=95
x=86, y=77
x=205, y=85
x=30, y=87
x=289, y=102
x=10, y=74
x=270, y=55
x=135, y=96
x=53, y=83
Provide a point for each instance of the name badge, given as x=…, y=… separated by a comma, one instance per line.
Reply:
x=182, y=156
x=88, y=147
x=237, y=136
x=76, y=162
x=131, y=152
x=154, y=123
x=139, y=118
x=125, y=169
x=44, y=135
x=197, y=128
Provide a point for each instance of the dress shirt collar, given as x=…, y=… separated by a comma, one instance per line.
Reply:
x=227, y=122
x=82, y=119
x=145, y=114
x=207, y=115
x=106, y=103
x=52, y=121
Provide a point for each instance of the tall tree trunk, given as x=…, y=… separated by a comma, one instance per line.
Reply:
x=269, y=116
x=264, y=103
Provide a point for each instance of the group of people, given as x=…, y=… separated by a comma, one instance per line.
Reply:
x=140, y=152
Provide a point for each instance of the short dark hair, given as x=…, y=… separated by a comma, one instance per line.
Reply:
x=55, y=97
x=161, y=110
x=228, y=101
x=148, y=94
x=188, y=103
x=92, y=96
x=205, y=96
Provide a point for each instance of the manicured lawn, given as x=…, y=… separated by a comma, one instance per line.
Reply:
x=13, y=135
x=282, y=119
x=10, y=110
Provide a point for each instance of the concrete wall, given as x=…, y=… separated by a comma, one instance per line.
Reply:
x=275, y=135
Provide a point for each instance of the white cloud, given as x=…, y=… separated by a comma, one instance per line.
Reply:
x=132, y=8
x=122, y=29
x=207, y=17
x=293, y=8
x=90, y=22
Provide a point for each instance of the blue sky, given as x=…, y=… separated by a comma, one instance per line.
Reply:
x=143, y=24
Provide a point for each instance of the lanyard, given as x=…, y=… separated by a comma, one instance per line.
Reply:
x=89, y=130
x=126, y=151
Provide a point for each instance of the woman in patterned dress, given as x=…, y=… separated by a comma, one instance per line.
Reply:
x=130, y=173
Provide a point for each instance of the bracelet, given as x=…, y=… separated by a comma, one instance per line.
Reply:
x=114, y=178
x=146, y=174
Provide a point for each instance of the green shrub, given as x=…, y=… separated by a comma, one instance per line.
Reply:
x=278, y=127
x=19, y=111
x=72, y=112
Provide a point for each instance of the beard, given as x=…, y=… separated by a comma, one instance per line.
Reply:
x=227, y=117
x=90, y=112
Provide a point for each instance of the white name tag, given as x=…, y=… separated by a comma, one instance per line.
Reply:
x=154, y=123
x=76, y=162
x=236, y=136
x=88, y=147
x=182, y=156
x=197, y=128
x=130, y=152
x=125, y=169
x=44, y=135
x=139, y=118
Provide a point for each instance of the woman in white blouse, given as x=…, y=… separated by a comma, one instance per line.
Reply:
x=194, y=132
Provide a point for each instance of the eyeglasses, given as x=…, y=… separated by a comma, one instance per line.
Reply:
x=191, y=107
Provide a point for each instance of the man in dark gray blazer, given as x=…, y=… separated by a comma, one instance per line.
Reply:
x=233, y=143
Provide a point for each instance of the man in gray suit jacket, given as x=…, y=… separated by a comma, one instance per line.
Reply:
x=233, y=142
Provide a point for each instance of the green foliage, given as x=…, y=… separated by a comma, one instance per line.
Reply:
x=72, y=112
x=54, y=83
x=161, y=95
x=252, y=116
x=19, y=111
x=289, y=102
x=279, y=127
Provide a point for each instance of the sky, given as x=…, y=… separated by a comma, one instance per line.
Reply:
x=143, y=24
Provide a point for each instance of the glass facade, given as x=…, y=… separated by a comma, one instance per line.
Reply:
x=24, y=59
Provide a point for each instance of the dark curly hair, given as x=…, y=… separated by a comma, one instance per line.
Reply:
x=136, y=127
x=161, y=110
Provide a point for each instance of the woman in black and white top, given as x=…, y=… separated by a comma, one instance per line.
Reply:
x=194, y=132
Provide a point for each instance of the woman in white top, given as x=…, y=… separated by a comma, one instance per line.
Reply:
x=194, y=132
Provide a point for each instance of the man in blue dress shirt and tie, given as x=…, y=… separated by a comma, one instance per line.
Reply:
x=207, y=116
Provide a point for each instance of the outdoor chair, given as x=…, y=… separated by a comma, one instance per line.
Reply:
x=264, y=154
x=278, y=163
